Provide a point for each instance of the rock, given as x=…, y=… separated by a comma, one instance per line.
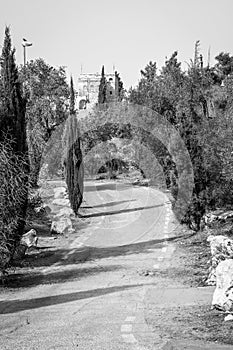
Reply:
x=65, y=212
x=228, y=318
x=217, y=216
x=59, y=192
x=61, y=226
x=29, y=239
x=221, y=248
x=223, y=294
x=61, y=201
x=47, y=209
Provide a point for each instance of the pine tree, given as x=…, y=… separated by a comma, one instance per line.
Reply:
x=102, y=88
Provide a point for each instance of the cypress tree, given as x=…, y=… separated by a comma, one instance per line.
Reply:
x=119, y=90
x=72, y=160
x=102, y=88
x=13, y=105
x=72, y=97
x=13, y=137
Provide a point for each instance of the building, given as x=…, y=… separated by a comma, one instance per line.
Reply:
x=88, y=89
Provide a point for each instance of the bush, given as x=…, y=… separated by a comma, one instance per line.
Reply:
x=13, y=196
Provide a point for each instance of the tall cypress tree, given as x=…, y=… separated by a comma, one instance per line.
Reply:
x=72, y=160
x=102, y=88
x=72, y=97
x=13, y=105
x=12, y=134
x=119, y=90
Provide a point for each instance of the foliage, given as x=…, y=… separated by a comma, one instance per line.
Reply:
x=13, y=155
x=47, y=107
x=72, y=97
x=199, y=108
x=119, y=89
x=73, y=160
x=102, y=88
x=13, y=191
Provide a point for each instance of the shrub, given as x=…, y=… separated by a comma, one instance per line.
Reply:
x=13, y=191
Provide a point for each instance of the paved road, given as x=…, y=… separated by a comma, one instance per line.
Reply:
x=94, y=297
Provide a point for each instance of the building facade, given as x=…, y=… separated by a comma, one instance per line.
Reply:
x=88, y=89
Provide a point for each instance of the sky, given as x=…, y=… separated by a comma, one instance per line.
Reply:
x=125, y=34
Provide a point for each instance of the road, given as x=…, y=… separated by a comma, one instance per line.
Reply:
x=94, y=297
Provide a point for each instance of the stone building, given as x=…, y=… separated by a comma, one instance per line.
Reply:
x=88, y=89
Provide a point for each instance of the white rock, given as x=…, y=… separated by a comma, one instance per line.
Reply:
x=61, y=202
x=47, y=209
x=220, y=244
x=59, y=192
x=61, y=226
x=65, y=212
x=221, y=248
x=229, y=318
x=223, y=294
x=29, y=239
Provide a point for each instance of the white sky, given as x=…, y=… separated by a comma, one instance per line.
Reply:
x=124, y=33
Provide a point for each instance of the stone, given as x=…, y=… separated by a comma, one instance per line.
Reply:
x=29, y=239
x=221, y=248
x=228, y=318
x=217, y=216
x=47, y=209
x=223, y=294
x=59, y=192
x=65, y=212
x=61, y=201
x=61, y=226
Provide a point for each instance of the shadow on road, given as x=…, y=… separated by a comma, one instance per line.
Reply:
x=108, y=186
x=109, y=204
x=121, y=211
x=12, y=306
x=22, y=280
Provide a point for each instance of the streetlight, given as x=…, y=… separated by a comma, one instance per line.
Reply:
x=25, y=44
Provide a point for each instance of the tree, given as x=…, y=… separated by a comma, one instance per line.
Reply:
x=13, y=154
x=72, y=159
x=48, y=106
x=224, y=64
x=182, y=98
x=102, y=88
x=119, y=89
x=13, y=105
x=72, y=97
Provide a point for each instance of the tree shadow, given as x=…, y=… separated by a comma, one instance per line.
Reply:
x=12, y=306
x=22, y=280
x=108, y=186
x=109, y=204
x=121, y=211
x=88, y=253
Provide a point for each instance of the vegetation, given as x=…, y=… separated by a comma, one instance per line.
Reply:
x=13, y=155
x=102, y=88
x=47, y=95
x=72, y=159
x=196, y=104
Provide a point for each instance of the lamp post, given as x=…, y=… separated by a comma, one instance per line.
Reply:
x=25, y=44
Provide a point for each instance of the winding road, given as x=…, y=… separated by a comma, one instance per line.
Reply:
x=94, y=297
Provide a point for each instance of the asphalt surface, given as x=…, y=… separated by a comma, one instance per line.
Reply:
x=99, y=300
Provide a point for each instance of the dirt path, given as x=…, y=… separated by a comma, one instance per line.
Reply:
x=105, y=286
